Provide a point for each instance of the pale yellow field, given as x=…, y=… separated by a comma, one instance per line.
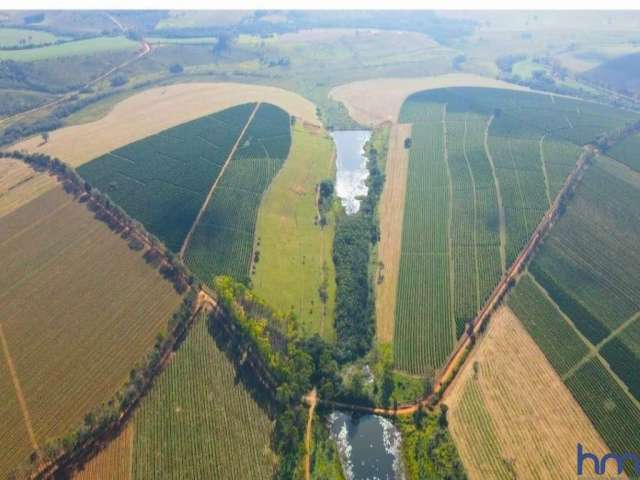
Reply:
x=114, y=462
x=391, y=208
x=510, y=413
x=19, y=184
x=157, y=109
x=375, y=101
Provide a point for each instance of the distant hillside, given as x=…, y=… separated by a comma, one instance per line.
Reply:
x=622, y=74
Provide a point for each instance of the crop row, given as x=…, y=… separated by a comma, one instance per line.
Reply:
x=610, y=410
x=199, y=421
x=424, y=324
x=627, y=152
x=592, y=253
x=162, y=180
x=558, y=341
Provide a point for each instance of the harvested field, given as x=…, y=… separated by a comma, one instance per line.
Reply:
x=295, y=260
x=114, y=462
x=19, y=184
x=510, y=414
x=78, y=309
x=157, y=109
x=372, y=102
x=391, y=204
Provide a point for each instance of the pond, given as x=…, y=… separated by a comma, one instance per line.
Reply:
x=351, y=165
x=369, y=446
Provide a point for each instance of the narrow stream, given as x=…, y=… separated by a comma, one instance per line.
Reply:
x=351, y=165
x=369, y=446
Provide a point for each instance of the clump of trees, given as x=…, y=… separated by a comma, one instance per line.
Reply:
x=325, y=199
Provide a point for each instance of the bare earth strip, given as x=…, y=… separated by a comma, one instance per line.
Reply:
x=536, y=422
x=19, y=184
x=16, y=383
x=114, y=462
x=391, y=217
x=157, y=109
x=187, y=240
x=375, y=101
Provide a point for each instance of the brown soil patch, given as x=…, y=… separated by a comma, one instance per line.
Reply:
x=157, y=109
x=375, y=101
x=530, y=418
x=391, y=216
x=19, y=184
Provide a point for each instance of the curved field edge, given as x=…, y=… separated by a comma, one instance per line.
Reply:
x=157, y=109
x=375, y=101
x=295, y=270
x=510, y=413
x=65, y=268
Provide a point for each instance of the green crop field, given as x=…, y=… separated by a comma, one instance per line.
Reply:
x=294, y=249
x=590, y=264
x=588, y=269
x=78, y=309
x=20, y=37
x=628, y=152
x=223, y=240
x=544, y=321
x=485, y=165
x=163, y=180
x=68, y=49
x=610, y=409
x=198, y=421
x=423, y=306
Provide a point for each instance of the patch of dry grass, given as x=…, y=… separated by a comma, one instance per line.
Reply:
x=157, y=109
x=375, y=101
x=391, y=216
x=19, y=184
x=511, y=413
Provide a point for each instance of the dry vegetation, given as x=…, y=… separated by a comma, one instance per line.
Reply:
x=372, y=102
x=391, y=207
x=158, y=109
x=19, y=184
x=510, y=413
x=114, y=462
x=78, y=310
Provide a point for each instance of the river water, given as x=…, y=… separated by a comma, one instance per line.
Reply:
x=351, y=165
x=369, y=446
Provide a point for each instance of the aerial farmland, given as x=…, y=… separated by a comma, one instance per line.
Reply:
x=277, y=244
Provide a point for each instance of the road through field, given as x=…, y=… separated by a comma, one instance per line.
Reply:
x=501, y=214
x=187, y=239
x=16, y=383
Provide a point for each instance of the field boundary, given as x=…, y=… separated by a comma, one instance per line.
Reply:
x=187, y=240
x=501, y=214
x=16, y=383
x=475, y=213
x=452, y=279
